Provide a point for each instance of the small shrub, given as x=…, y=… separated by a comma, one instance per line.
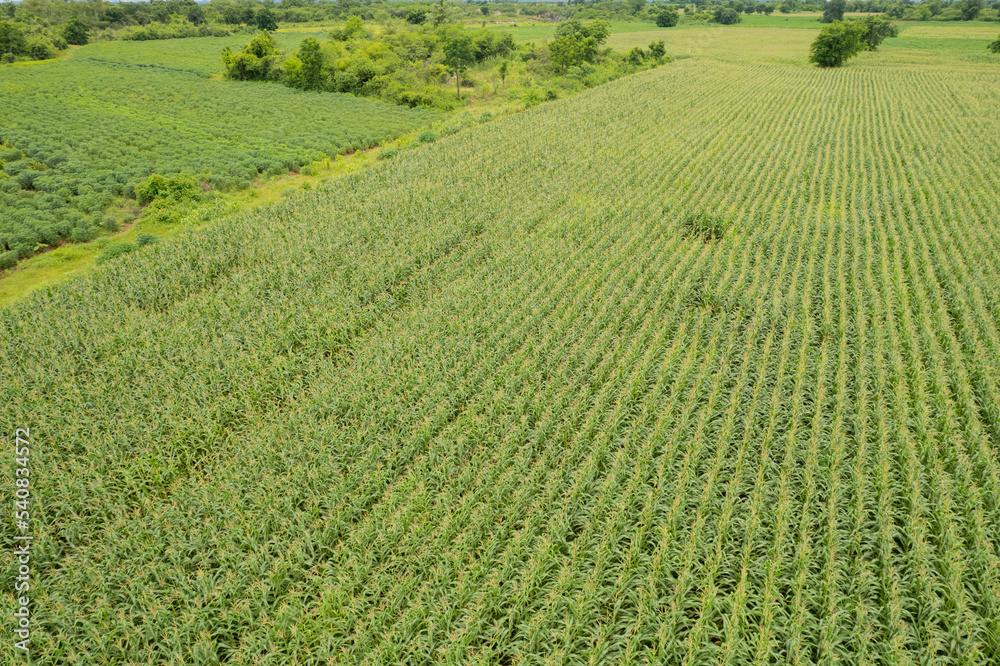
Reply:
x=142, y=239
x=8, y=260
x=995, y=46
x=427, y=136
x=388, y=153
x=114, y=250
x=110, y=224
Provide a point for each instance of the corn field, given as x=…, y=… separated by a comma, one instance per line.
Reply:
x=499, y=401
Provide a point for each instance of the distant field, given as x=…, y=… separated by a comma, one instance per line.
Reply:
x=77, y=133
x=701, y=366
x=200, y=55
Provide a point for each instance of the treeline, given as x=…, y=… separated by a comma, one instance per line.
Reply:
x=427, y=63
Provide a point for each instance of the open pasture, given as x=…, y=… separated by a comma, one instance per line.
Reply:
x=701, y=366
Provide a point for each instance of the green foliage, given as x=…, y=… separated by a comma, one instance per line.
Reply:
x=970, y=9
x=8, y=259
x=258, y=61
x=667, y=18
x=114, y=250
x=40, y=49
x=428, y=136
x=658, y=50
x=12, y=39
x=635, y=56
x=416, y=17
x=994, y=46
x=179, y=187
x=355, y=26
x=833, y=10
x=842, y=40
x=727, y=16
x=76, y=32
x=142, y=238
x=836, y=43
x=459, y=55
x=265, y=20
x=388, y=153
x=576, y=43
x=875, y=30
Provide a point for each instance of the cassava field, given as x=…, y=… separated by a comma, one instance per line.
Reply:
x=698, y=367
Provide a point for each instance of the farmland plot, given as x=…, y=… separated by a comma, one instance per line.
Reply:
x=501, y=401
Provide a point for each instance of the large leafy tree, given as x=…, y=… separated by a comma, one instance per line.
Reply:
x=836, y=43
x=843, y=40
x=459, y=55
x=576, y=43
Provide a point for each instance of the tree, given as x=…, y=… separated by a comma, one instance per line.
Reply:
x=833, y=10
x=75, y=32
x=416, y=16
x=264, y=20
x=658, y=50
x=256, y=62
x=459, y=55
x=354, y=25
x=635, y=6
x=311, y=56
x=727, y=16
x=12, y=39
x=635, y=56
x=576, y=43
x=970, y=9
x=994, y=46
x=836, y=43
x=440, y=13
x=667, y=18
x=875, y=30
x=505, y=66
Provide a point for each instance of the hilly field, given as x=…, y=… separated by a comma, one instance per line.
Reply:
x=701, y=366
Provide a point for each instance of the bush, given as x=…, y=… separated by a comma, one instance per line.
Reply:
x=388, y=153
x=41, y=49
x=110, y=224
x=75, y=32
x=994, y=46
x=177, y=188
x=427, y=136
x=8, y=260
x=142, y=239
x=727, y=16
x=667, y=19
x=113, y=250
